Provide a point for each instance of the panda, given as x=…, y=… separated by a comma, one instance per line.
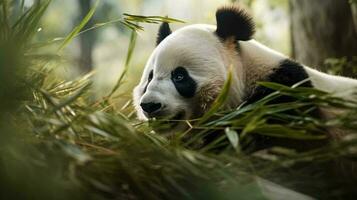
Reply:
x=188, y=68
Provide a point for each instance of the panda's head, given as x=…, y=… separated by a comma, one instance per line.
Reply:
x=188, y=68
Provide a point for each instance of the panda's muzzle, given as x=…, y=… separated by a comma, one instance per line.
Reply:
x=157, y=110
x=151, y=107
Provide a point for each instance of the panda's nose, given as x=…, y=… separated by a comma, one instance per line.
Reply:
x=150, y=107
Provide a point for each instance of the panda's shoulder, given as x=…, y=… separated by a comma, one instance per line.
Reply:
x=288, y=72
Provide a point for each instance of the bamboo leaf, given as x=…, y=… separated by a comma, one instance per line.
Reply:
x=220, y=100
x=127, y=62
x=79, y=27
x=233, y=138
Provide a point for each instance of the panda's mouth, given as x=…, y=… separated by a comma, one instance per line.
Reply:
x=179, y=116
x=175, y=120
x=169, y=124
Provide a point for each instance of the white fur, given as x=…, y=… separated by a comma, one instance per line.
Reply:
x=336, y=85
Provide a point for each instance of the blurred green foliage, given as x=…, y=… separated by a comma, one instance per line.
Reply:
x=342, y=66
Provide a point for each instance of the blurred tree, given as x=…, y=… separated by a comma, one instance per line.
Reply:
x=106, y=11
x=354, y=12
x=323, y=29
x=87, y=39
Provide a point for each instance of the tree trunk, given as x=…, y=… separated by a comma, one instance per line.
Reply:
x=354, y=13
x=322, y=29
x=87, y=39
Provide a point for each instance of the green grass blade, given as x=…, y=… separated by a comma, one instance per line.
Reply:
x=150, y=19
x=233, y=138
x=127, y=62
x=220, y=100
x=79, y=27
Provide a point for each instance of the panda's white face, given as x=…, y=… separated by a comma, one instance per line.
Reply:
x=184, y=66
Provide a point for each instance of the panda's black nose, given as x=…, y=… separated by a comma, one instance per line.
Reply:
x=150, y=107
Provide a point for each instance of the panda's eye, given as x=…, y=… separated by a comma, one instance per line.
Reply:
x=184, y=83
x=179, y=75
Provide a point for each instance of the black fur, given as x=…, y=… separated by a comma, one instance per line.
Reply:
x=287, y=73
x=187, y=86
x=164, y=31
x=151, y=75
x=234, y=21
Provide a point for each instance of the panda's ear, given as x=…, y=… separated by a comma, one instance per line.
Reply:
x=236, y=22
x=164, y=31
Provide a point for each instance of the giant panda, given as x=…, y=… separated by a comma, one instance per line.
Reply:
x=187, y=69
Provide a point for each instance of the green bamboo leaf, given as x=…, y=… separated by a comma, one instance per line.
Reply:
x=74, y=152
x=27, y=24
x=127, y=62
x=72, y=98
x=281, y=131
x=280, y=87
x=255, y=122
x=233, y=138
x=101, y=132
x=79, y=27
x=151, y=19
x=220, y=100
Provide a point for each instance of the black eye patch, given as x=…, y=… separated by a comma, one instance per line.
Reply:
x=183, y=82
x=151, y=75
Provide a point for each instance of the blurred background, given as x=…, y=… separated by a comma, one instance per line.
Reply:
x=316, y=33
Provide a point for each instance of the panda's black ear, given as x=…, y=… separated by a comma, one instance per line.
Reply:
x=164, y=31
x=234, y=21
